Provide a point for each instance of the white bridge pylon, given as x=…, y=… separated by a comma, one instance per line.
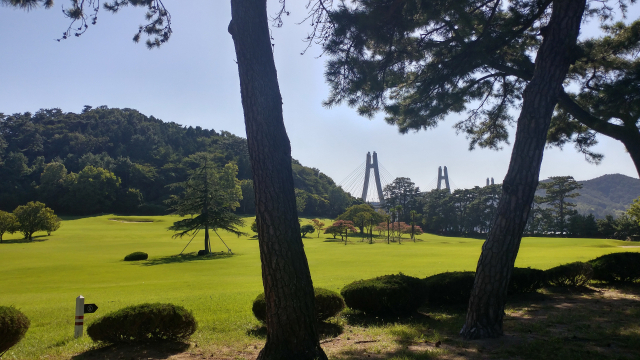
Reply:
x=376, y=173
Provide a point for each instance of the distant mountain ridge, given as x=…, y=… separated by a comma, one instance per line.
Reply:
x=607, y=194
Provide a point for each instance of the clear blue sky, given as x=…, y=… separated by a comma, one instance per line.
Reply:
x=193, y=80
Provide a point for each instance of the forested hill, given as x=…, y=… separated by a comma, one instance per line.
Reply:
x=607, y=194
x=57, y=157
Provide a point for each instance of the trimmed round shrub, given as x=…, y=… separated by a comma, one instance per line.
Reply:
x=450, y=287
x=573, y=274
x=328, y=304
x=135, y=256
x=526, y=280
x=617, y=267
x=259, y=308
x=13, y=325
x=144, y=322
x=386, y=295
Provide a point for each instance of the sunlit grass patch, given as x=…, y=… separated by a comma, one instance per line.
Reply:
x=85, y=257
x=135, y=219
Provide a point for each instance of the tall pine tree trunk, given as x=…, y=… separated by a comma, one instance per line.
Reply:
x=291, y=329
x=207, y=242
x=486, y=305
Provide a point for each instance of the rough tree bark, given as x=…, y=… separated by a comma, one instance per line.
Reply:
x=486, y=305
x=291, y=330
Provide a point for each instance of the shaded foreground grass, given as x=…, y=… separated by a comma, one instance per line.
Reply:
x=557, y=324
x=85, y=257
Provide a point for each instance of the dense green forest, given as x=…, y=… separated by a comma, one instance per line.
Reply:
x=469, y=212
x=119, y=160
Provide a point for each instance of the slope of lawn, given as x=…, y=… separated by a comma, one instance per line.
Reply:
x=85, y=257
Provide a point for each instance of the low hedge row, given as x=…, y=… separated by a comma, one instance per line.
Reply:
x=526, y=280
x=328, y=304
x=449, y=287
x=402, y=295
x=572, y=274
x=617, y=267
x=455, y=287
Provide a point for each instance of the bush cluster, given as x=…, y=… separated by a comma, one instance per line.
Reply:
x=13, y=325
x=573, y=274
x=386, y=295
x=401, y=294
x=135, y=256
x=617, y=267
x=328, y=304
x=455, y=287
x=144, y=322
x=450, y=287
x=526, y=280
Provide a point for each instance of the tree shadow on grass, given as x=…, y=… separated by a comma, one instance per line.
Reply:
x=358, y=318
x=425, y=353
x=325, y=330
x=36, y=239
x=182, y=258
x=594, y=323
x=629, y=288
x=150, y=350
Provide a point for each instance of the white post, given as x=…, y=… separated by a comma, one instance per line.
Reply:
x=79, y=316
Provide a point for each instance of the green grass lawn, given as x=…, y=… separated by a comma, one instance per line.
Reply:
x=85, y=257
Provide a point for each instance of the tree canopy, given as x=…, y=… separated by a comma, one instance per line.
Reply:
x=209, y=197
x=419, y=61
x=557, y=192
x=360, y=215
x=634, y=210
x=404, y=193
x=33, y=217
x=8, y=223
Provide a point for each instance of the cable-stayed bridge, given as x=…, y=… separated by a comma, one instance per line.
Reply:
x=359, y=182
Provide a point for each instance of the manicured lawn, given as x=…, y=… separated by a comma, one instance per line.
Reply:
x=85, y=257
